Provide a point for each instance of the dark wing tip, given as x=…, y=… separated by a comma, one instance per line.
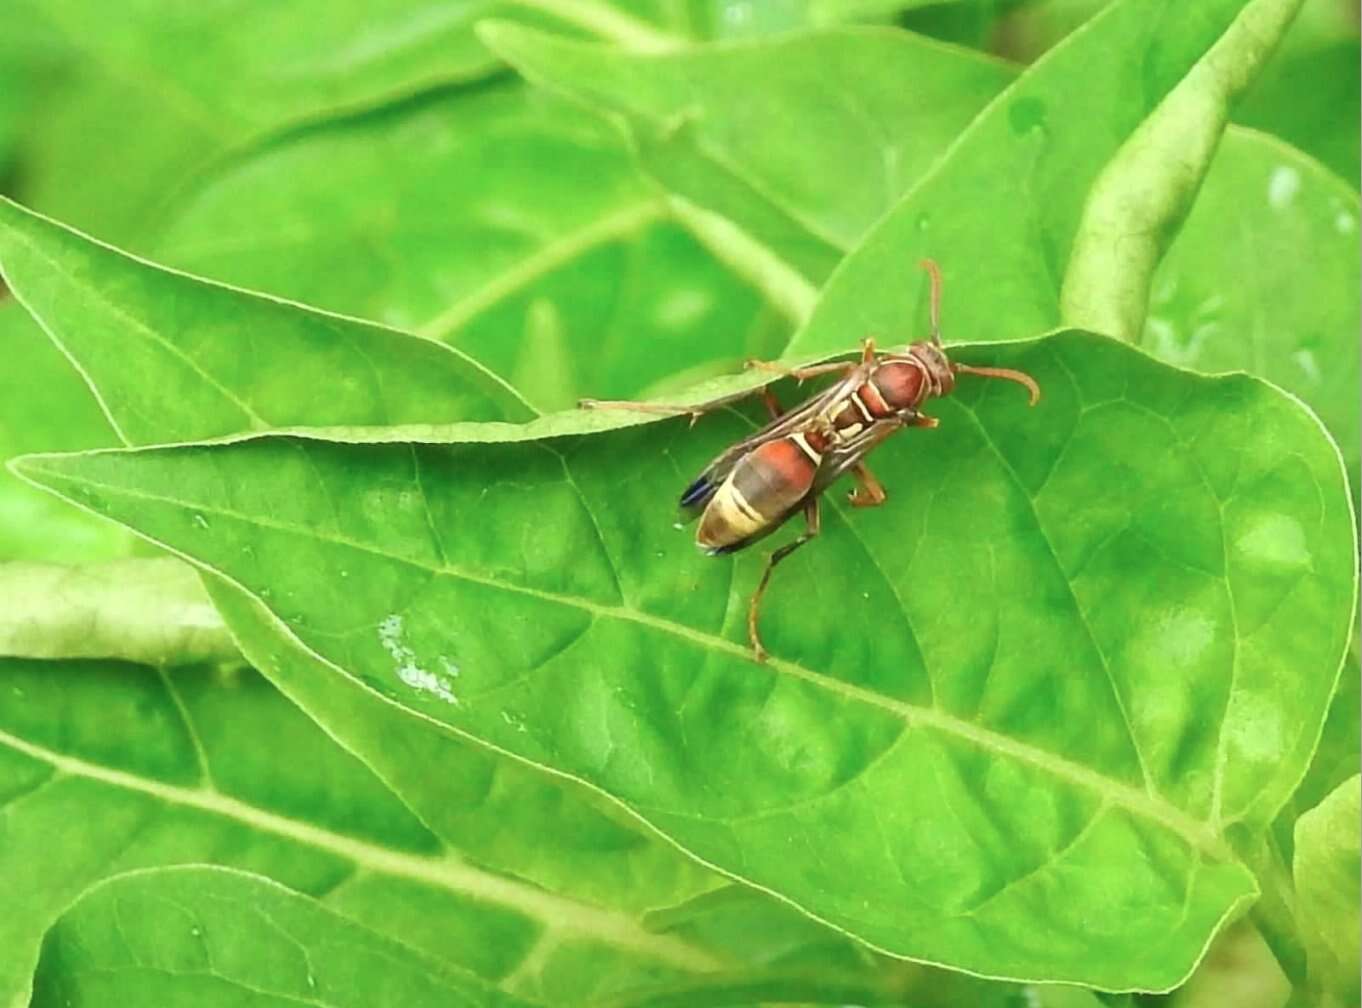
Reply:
x=698, y=492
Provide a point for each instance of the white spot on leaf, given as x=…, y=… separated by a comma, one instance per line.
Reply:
x=1276, y=540
x=1282, y=187
x=682, y=308
x=391, y=637
x=1308, y=364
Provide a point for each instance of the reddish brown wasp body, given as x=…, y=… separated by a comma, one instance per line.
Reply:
x=759, y=483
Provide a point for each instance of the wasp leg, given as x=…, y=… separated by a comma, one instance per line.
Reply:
x=813, y=520
x=869, y=491
x=921, y=420
x=772, y=403
x=799, y=374
x=695, y=412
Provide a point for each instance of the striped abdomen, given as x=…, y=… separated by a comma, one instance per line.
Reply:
x=763, y=488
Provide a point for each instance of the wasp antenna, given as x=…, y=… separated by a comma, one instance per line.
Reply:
x=1020, y=377
x=934, y=272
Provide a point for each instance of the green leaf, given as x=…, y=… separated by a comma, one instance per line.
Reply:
x=194, y=787
x=1056, y=129
x=820, y=108
x=525, y=880
x=151, y=611
x=437, y=217
x=1264, y=277
x=1082, y=733
x=496, y=810
x=1136, y=204
x=563, y=837
x=257, y=69
x=45, y=406
x=1309, y=93
x=122, y=321
x=208, y=936
x=1253, y=303
x=1328, y=871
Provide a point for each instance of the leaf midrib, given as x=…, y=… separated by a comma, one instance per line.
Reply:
x=450, y=873
x=1196, y=832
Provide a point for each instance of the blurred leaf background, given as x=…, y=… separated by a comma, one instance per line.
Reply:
x=567, y=226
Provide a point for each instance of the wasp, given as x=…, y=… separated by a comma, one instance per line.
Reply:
x=761, y=482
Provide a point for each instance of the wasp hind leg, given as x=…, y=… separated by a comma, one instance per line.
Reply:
x=869, y=491
x=813, y=521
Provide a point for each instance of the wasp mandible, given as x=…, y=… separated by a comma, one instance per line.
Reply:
x=759, y=483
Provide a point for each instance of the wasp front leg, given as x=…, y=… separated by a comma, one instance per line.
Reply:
x=695, y=412
x=800, y=374
x=813, y=522
x=869, y=491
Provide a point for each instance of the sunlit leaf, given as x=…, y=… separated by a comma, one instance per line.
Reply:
x=152, y=611
x=209, y=937
x=232, y=359
x=1124, y=671
x=522, y=878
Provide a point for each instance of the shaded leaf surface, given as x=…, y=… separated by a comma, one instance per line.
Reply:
x=207, y=936
x=107, y=767
x=436, y=216
x=1174, y=719
x=258, y=68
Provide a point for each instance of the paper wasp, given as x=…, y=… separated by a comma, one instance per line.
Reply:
x=759, y=483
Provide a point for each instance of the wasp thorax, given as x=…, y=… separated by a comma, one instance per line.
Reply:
x=902, y=384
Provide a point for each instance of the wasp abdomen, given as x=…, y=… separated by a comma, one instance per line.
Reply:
x=758, y=493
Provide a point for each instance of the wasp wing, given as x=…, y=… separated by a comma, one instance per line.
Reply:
x=696, y=496
x=839, y=458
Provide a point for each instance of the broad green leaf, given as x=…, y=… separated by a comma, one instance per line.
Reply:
x=499, y=813
x=152, y=611
x=1254, y=303
x=44, y=406
x=150, y=340
x=1263, y=277
x=437, y=217
x=495, y=810
x=257, y=69
x=208, y=936
x=1328, y=877
x=1145, y=190
x=1149, y=666
x=1009, y=235
x=106, y=767
x=873, y=105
